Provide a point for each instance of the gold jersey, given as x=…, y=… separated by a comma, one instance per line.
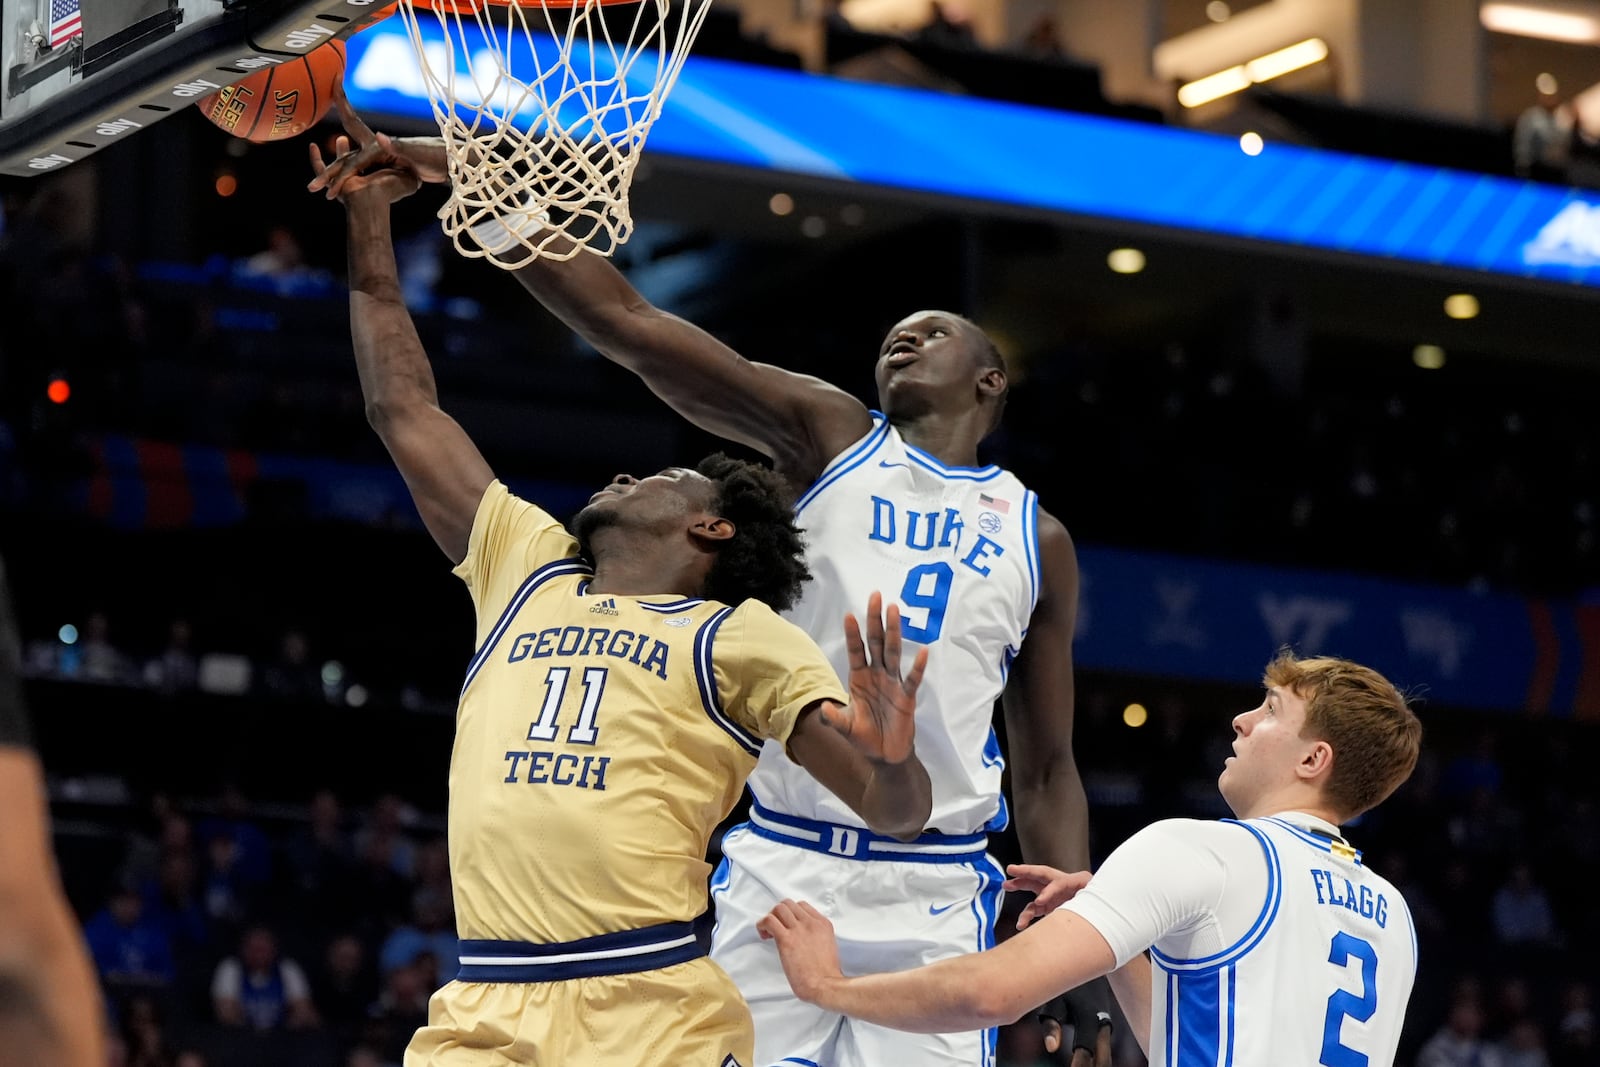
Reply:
x=601, y=738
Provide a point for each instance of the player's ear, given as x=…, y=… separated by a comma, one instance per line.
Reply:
x=711, y=528
x=1317, y=762
x=992, y=382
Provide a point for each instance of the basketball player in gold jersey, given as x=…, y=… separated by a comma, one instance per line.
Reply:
x=627, y=675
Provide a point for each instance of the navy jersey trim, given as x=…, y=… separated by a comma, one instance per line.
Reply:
x=526, y=590
x=706, y=676
x=623, y=952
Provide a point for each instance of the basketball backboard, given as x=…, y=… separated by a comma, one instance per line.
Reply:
x=77, y=75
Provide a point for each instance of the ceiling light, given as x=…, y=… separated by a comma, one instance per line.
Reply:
x=1135, y=715
x=781, y=203
x=1549, y=22
x=1295, y=57
x=1251, y=143
x=1215, y=87
x=1126, y=261
x=1263, y=68
x=1428, y=357
x=1461, y=306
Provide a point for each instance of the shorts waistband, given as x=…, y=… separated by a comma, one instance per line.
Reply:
x=854, y=842
x=623, y=952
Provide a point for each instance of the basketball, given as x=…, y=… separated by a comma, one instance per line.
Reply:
x=283, y=102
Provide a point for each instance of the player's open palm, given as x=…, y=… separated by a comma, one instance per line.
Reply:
x=881, y=717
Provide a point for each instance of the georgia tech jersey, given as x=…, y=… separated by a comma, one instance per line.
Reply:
x=600, y=738
x=957, y=547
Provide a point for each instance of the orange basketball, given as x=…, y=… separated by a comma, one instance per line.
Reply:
x=283, y=102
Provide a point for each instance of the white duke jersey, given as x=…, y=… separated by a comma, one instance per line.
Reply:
x=1271, y=942
x=958, y=548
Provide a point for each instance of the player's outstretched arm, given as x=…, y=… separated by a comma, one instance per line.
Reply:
x=50, y=1010
x=865, y=752
x=798, y=421
x=443, y=469
x=970, y=992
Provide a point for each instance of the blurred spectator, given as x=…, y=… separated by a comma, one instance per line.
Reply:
x=143, y=1036
x=172, y=902
x=175, y=670
x=234, y=822
x=430, y=931
x=345, y=987
x=260, y=990
x=1577, y=1038
x=1043, y=40
x=1522, y=1047
x=366, y=1056
x=1542, y=140
x=282, y=258
x=1477, y=771
x=1457, y=1043
x=293, y=676
x=320, y=857
x=189, y=1058
x=99, y=660
x=130, y=951
x=384, y=841
x=1521, y=911
x=402, y=1008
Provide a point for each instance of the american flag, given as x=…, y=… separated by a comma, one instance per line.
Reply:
x=1002, y=506
x=66, y=21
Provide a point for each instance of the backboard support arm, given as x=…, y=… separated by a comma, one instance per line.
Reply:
x=136, y=90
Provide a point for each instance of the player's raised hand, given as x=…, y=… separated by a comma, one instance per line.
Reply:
x=387, y=182
x=362, y=150
x=881, y=717
x=806, y=945
x=1050, y=888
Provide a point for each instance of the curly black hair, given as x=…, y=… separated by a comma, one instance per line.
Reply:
x=765, y=559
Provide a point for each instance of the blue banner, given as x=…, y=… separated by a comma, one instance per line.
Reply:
x=1147, y=614
x=991, y=151
x=1139, y=613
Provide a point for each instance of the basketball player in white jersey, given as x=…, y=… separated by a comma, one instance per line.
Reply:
x=1270, y=942
x=895, y=501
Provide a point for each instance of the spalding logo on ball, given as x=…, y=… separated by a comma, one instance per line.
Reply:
x=283, y=102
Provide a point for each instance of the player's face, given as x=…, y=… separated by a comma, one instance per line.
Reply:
x=1267, y=747
x=928, y=357
x=663, y=501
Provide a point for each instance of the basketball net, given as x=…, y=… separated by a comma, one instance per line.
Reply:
x=544, y=108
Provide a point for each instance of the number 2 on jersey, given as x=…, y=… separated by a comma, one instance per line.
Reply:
x=1335, y=1053
x=927, y=588
x=584, y=731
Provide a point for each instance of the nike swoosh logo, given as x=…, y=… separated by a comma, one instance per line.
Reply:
x=886, y=463
x=941, y=911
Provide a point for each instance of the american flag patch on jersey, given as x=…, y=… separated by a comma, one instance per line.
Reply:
x=1002, y=506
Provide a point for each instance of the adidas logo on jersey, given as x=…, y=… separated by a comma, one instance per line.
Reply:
x=608, y=606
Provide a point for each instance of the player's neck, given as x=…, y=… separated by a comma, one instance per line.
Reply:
x=630, y=571
x=952, y=440
x=1312, y=805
